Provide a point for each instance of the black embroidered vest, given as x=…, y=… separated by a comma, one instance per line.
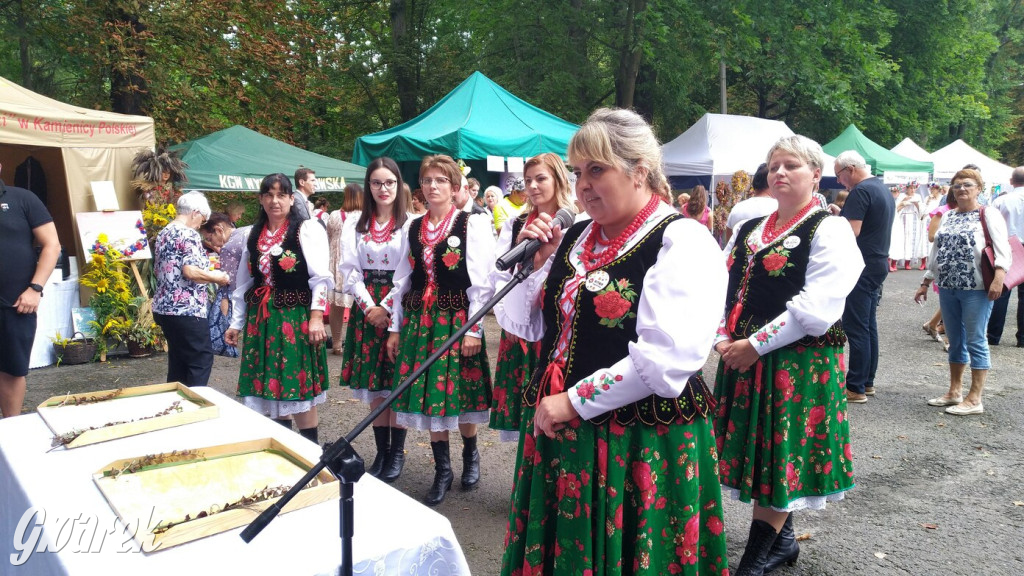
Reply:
x=452, y=281
x=603, y=327
x=776, y=275
x=291, y=287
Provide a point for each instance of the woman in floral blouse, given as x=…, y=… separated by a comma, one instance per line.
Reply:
x=965, y=301
x=616, y=461
x=279, y=301
x=374, y=241
x=221, y=236
x=179, y=303
x=440, y=282
x=780, y=424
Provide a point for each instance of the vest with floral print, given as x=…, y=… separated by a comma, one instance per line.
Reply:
x=449, y=266
x=291, y=286
x=776, y=274
x=603, y=326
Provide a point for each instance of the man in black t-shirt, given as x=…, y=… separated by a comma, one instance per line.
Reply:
x=24, y=222
x=870, y=210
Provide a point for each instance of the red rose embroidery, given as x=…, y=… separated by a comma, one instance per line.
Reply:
x=288, y=261
x=774, y=262
x=451, y=258
x=585, y=390
x=611, y=305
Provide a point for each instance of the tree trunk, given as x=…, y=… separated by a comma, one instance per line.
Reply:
x=129, y=92
x=643, y=101
x=629, y=55
x=23, y=48
x=404, y=61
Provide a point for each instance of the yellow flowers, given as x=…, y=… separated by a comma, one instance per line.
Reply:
x=155, y=217
x=102, y=285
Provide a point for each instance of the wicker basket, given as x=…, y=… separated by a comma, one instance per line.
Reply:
x=79, y=351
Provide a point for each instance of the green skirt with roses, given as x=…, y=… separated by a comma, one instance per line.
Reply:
x=517, y=359
x=455, y=389
x=365, y=366
x=278, y=361
x=782, y=427
x=612, y=499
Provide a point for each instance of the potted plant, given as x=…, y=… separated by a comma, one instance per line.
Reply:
x=143, y=336
x=73, y=350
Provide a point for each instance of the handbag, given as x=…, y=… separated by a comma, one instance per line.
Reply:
x=1015, y=275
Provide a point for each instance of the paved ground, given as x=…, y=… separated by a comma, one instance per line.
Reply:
x=936, y=494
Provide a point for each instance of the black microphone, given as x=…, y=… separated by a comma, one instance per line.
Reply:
x=525, y=250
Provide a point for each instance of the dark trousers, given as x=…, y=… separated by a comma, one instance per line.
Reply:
x=998, y=318
x=189, y=354
x=859, y=322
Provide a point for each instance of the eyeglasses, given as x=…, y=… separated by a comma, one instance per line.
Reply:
x=841, y=170
x=964, y=186
x=378, y=184
x=439, y=181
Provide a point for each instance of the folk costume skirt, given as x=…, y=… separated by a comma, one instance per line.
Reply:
x=782, y=429
x=454, y=390
x=365, y=367
x=281, y=373
x=517, y=359
x=611, y=499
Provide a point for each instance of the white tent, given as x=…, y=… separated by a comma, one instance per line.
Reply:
x=910, y=149
x=953, y=157
x=720, y=144
x=75, y=146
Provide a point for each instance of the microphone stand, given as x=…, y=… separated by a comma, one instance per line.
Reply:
x=341, y=458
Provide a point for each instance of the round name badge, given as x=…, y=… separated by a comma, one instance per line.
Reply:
x=276, y=251
x=597, y=280
x=454, y=241
x=791, y=242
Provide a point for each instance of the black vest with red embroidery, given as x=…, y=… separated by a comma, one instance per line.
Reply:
x=776, y=275
x=452, y=281
x=291, y=287
x=517, y=226
x=600, y=341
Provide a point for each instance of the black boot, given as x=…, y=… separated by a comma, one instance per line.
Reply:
x=382, y=437
x=759, y=544
x=396, y=456
x=470, y=463
x=443, y=475
x=284, y=422
x=785, y=550
x=310, y=434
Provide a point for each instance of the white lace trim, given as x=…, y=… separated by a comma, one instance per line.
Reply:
x=805, y=503
x=508, y=435
x=277, y=409
x=435, y=424
x=367, y=396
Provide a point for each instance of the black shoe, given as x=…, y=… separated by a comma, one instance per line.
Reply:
x=759, y=545
x=382, y=437
x=396, y=456
x=330, y=342
x=310, y=434
x=443, y=475
x=785, y=550
x=470, y=463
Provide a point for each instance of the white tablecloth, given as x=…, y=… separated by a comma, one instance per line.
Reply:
x=54, y=315
x=394, y=534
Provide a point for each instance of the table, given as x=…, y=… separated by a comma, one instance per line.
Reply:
x=394, y=534
x=53, y=315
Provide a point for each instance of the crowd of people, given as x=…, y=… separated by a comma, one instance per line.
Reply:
x=624, y=449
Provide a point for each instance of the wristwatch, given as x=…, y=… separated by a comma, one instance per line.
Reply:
x=37, y=288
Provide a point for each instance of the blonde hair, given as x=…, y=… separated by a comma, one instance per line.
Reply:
x=802, y=147
x=555, y=166
x=620, y=138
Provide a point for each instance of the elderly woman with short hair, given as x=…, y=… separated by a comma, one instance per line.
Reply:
x=182, y=271
x=955, y=261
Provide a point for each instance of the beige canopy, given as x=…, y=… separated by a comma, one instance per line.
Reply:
x=75, y=146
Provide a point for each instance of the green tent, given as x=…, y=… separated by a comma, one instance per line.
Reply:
x=880, y=159
x=475, y=120
x=237, y=159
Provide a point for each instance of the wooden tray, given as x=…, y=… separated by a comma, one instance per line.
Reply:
x=92, y=417
x=178, y=497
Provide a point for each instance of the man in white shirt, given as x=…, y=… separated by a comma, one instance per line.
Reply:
x=759, y=204
x=1011, y=206
x=463, y=199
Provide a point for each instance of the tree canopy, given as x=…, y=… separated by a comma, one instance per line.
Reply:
x=320, y=73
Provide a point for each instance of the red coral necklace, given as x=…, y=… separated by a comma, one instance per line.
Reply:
x=268, y=241
x=383, y=234
x=592, y=261
x=429, y=239
x=770, y=231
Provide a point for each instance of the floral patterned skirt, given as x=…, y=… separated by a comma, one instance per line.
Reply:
x=219, y=324
x=782, y=429
x=365, y=364
x=517, y=359
x=612, y=499
x=455, y=389
x=278, y=361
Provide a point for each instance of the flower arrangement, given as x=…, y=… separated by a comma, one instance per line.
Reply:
x=155, y=217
